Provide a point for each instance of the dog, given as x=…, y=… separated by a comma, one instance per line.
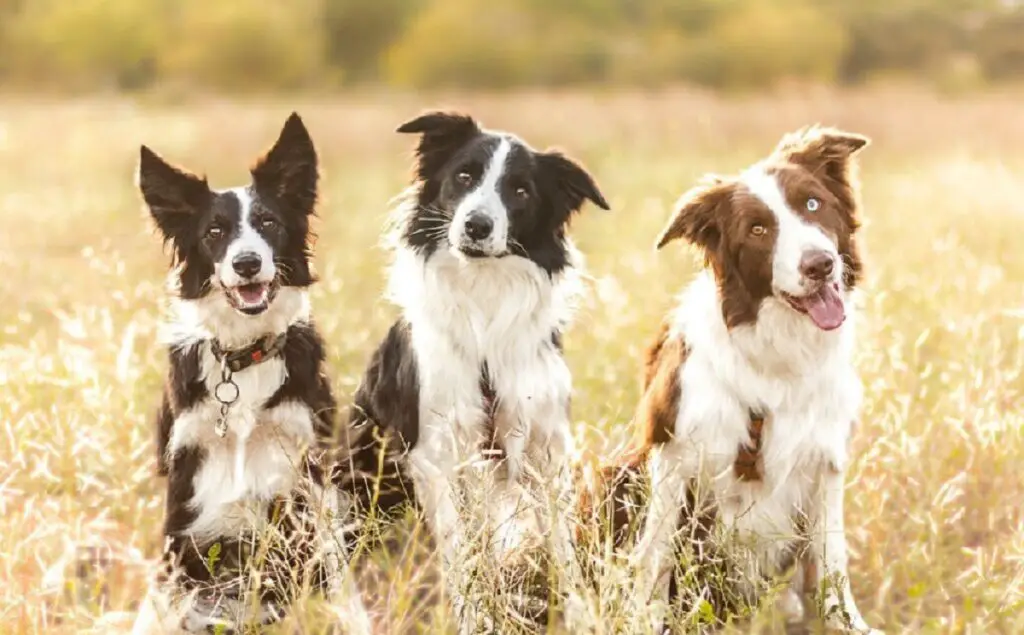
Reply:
x=750, y=394
x=469, y=388
x=248, y=412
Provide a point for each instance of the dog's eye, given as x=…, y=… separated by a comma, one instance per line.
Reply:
x=813, y=204
x=215, y=231
x=268, y=223
x=465, y=178
x=522, y=193
x=758, y=230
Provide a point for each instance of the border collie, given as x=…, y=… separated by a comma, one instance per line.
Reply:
x=246, y=398
x=471, y=380
x=750, y=393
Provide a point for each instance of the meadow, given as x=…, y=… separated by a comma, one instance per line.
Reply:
x=934, y=512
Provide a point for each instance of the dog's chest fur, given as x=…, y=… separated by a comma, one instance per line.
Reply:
x=235, y=477
x=781, y=366
x=499, y=319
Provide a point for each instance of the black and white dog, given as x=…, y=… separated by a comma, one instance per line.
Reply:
x=473, y=373
x=247, y=407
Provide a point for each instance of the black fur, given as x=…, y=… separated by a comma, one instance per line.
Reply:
x=453, y=143
x=383, y=425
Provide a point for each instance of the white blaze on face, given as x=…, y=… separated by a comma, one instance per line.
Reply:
x=793, y=238
x=247, y=242
x=249, y=292
x=485, y=198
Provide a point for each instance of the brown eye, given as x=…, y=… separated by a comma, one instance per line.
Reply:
x=464, y=178
x=522, y=194
x=758, y=230
x=268, y=223
x=214, y=231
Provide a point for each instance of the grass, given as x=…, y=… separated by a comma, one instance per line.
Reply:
x=934, y=506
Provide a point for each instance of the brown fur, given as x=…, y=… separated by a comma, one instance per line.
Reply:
x=659, y=405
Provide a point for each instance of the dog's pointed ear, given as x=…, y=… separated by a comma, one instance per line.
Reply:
x=572, y=182
x=443, y=133
x=173, y=195
x=289, y=172
x=698, y=213
x=822, y=150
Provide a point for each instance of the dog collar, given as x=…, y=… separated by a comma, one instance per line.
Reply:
x=239, y=359
x=747, y=466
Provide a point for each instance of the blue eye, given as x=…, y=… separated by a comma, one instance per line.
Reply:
x=813, y=204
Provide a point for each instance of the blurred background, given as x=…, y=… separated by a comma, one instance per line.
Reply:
x=253, y=45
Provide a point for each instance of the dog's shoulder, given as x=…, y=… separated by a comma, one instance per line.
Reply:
x=306, y=379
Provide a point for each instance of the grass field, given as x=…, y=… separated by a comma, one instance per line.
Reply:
x=934, y=508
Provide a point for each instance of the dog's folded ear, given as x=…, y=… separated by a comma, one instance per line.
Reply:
x=823, y=151
x=173, y=195
x=443, y=133
x=572, y=183
x=440, y=124
x=697, y=215
x=288, y=173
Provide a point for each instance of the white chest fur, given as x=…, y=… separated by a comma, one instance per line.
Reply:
x=784, y=366
x=498, y=313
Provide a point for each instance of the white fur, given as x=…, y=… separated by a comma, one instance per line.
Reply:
x=485, y=199
x=248, y=240
x=783, y=365
x=795, y=236
x=501, y=312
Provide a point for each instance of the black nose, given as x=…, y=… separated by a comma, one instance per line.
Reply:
x=247, y=264
x=817, y=265
x=479, y=226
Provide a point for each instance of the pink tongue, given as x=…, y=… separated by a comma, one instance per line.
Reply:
x=826, y=308
x=251, y=294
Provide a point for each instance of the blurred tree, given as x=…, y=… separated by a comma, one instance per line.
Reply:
x=498, y=46
x=86, y=44
x=245, y=44
x=1000, y=44
x=358, y=33
x=916, y=36
x=759, y=42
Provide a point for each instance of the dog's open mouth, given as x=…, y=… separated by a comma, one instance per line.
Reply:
x=472, y=252
x=251, y=299
x=825, y=306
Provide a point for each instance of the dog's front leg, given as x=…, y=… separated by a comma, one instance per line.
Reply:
x=335, y=512
x=829, y=555
x=653, y=557
x=434, y=474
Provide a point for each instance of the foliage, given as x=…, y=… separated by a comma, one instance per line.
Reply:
x=735, y=44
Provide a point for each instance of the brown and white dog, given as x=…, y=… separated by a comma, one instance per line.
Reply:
x=750, y=392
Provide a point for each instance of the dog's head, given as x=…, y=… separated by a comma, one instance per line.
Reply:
x=784, y=228
x=486, y=194
x=244, y=242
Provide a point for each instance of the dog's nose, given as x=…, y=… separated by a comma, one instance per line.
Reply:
x=479, y=226
x=247, y=264
x=817, y=265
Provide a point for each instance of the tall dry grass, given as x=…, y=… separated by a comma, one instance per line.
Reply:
x=934, y=504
